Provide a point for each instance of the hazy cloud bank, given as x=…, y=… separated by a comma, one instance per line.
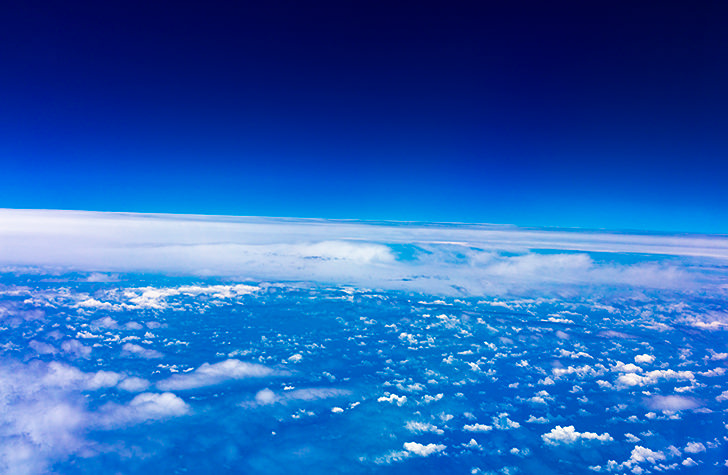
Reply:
x=432, y=258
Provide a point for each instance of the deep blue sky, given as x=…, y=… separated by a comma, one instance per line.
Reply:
x=586, y=114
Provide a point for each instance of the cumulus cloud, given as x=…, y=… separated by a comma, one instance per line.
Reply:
x=420, y=427
x=140, y=351
x=671, y=403
x=502, y=422
x=134, y=384
x=694, y=447
x=644, y=359
x=423, y=450
x=643, y=454
x=569, y=436
x=393, y=398
x=653, y=377
x=144, y=407
x=216, y=373
x=477, y=427
x=44, y=416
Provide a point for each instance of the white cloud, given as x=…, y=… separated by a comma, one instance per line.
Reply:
x=134, y=384
x=44, y=416
x=568, y=436
x=671, y=403
x=265, y=396
x=423, y=450
x=643, y=454
x=649, y=359
x=475, y=259
x=477, y=428
x=212, y=374
x=502, y=422
x=694, y=447
x=144, y=407
x=420, y=427
x=76, y=348
x=393, y=398
x=653, y=377
x=140, y=351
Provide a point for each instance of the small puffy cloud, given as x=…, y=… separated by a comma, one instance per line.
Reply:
x=643, y=454
x=76, y=348
x=420, y=427
x=671, y=403
x=92, y=303
x=337, y=410
x=569, y=436
x=265, y=396
x=155, y=406
x=212, y=374
x=393, y=398
x=626, y=368
x=140, y=351
x=502, y=422
x=649, y=359
x=477, y=428
x=144, y=407
x=103, y=379
x=423, y=450
x=133, y=384
x=722, y=396
x=694, y=447
x=580, y=371
x=653, y=377
x=295, y=358
x=106, y=322
x=42, y=348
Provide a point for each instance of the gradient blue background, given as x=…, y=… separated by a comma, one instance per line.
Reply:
x=584, y=114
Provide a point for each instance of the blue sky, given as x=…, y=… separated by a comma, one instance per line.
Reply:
x=556, y=115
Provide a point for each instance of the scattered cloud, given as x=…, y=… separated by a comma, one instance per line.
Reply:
x=569, y=436
x=423, y=450
x=216, y=373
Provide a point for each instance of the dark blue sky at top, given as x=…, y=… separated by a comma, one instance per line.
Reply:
x=587, y=114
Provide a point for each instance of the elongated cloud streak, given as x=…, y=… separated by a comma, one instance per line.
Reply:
x=454, y=259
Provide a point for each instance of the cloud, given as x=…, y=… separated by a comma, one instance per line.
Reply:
x=694, y=447
x=144, y=407
x=653, y=377
x=44, y=416
x=423, y=450
x=447, y=259
x=569, y=436
x=643, y=454
x=140, y=351
x=216, y=373
x=477, y=428
x=393, y=398
x=76, y=348
x=649, y=359
x=671, y=403
x=502, y=422
x=133, y=384
x=420, y=427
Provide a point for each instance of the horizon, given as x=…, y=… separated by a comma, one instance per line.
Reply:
x=560, y=115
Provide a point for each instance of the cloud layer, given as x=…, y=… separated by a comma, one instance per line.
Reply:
x=465, y=259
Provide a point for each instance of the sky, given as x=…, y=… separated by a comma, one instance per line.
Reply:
x=569, y=114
